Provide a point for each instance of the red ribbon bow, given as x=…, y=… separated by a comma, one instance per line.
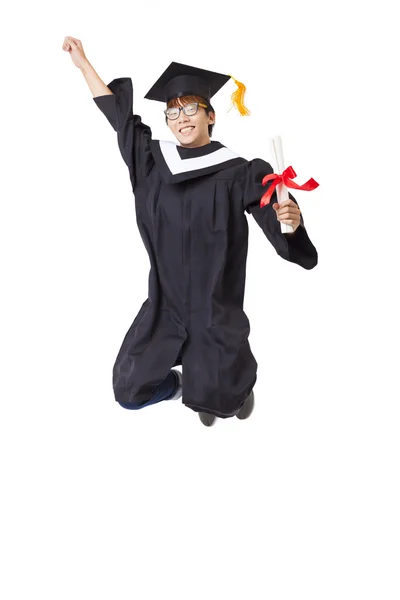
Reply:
x=285, y=178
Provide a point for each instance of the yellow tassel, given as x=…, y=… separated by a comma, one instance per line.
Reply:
x=238, y=98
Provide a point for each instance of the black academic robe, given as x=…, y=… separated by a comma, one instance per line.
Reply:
x=190, y=211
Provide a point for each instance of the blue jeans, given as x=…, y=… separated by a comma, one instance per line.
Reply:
x=164, y=391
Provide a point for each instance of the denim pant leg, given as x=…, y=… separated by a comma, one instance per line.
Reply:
x=163, y=391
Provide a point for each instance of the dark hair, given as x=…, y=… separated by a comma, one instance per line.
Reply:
x=187, y=100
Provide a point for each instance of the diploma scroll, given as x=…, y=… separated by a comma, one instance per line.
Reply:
x=279, y=166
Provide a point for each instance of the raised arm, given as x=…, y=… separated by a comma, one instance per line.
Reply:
x=115, y=102
x=78, y=57
x=96, y=85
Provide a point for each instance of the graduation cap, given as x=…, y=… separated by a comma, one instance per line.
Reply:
x=183, y=80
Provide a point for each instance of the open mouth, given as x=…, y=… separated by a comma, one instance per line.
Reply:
x=186, y=130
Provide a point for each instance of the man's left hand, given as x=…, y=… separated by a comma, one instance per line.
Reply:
x=288, y=212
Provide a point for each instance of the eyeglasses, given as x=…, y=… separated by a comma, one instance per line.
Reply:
x=189, y=110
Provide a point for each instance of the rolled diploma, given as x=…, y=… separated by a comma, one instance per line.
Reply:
x=281, y=189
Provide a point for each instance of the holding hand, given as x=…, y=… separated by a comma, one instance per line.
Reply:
x=288, y=212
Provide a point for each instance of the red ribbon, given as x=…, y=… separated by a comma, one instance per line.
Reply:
x=285, y=178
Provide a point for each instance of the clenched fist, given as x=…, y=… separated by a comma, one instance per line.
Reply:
x=75, y=48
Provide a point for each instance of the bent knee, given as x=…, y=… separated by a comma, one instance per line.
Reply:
x=130, y=404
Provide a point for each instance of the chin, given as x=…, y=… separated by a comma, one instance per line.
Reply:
x=186, y=141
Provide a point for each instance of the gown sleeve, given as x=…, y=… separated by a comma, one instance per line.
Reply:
x=295, y=247
x=133, y=136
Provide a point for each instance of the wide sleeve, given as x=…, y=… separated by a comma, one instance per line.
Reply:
x=295, y=247
x=134, y=137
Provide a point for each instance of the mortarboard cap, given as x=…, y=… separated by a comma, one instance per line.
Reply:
x=182, y=80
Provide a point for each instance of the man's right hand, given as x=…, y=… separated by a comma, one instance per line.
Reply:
x=75, y=48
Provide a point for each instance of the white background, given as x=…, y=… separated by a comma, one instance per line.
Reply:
x=299, y=501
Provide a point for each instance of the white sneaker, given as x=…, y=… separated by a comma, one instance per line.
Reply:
x=178, y=391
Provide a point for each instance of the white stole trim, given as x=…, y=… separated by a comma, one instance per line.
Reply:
x=176, y=164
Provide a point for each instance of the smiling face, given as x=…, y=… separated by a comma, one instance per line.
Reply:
x=193, y=131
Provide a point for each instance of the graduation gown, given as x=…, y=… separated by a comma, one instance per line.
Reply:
x=191, y=206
